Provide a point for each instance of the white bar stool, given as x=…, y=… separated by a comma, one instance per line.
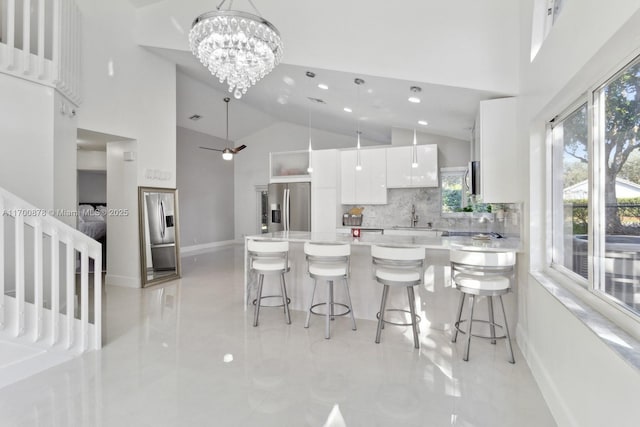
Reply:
x=269, y=257
x=329, y=262
x=483, y=274
x=398, y=266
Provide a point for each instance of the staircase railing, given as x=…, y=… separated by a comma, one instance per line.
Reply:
x=40, y=41
x=48, y=268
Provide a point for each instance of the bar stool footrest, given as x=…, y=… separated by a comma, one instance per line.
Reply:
x=270, y=296
x=497, y=337
x=345, y=306
x=418, y=318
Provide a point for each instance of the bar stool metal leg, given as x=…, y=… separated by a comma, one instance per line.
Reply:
x=353, y=318
x=256, y=311
x=328, y=312
x=306, y=323
x=285, y=298
x=492, y=324
x=506, y=332
x=456, y=325
x=383, y=305
x=470, y=320
x=412, y=310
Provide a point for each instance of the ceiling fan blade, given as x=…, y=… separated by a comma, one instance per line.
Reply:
x=212, y=149
x=242, y=147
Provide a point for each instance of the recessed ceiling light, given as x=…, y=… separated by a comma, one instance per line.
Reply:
x=323, y=86
x=348, y=110
x=422, y=122
x=413, y=98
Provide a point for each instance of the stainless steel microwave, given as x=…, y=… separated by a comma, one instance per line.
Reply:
x=472, y=178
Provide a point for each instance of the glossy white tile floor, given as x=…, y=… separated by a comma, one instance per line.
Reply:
x=186, y=354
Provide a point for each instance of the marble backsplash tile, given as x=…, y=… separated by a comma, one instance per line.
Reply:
x=505, y=219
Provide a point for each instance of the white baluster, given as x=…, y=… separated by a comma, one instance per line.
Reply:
x=26, y=37
x=55, y=46
x=55, y=287
x=2, y=297
x=84, y=298
x=19, y=274
x=11, y=33
x=97, y=300
x=38, y=279
x=70, y=289
x=41, y=28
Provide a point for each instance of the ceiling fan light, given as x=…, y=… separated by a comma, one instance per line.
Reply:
x=227, y=154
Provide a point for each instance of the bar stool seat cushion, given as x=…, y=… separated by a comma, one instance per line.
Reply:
x=328, y=269
x=488, y=283
x=266, y=264
x=398, y=275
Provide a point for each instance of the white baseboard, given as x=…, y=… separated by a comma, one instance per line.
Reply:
x=552, y=397
x=205, y=247
x=123, y=281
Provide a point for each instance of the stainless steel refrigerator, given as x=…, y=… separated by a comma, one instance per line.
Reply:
x=289, y=207
x=160, y=216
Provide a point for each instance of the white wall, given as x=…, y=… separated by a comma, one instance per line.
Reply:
x=92, y=160
x=252, y=165
x=123, y=251
x=583, y=380
x=205, y=184
x=26, y=150
x=131, y=93
x=418, y=40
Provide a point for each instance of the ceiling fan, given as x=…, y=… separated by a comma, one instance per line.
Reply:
x=227, y=153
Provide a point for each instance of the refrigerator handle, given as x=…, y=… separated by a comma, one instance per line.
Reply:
x=163, y=227
x=288, y=218
x=284, y=210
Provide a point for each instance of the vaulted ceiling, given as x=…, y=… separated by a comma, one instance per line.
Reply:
x=458, y=52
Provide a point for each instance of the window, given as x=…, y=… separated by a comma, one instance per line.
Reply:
x=452, y=188
x=596, y=190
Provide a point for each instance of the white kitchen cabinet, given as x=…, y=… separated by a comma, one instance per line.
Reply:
x=495, y=145
x=401, y=174
x=325, y=206
x=289, y=166
x=325, y=168
x=367, y=186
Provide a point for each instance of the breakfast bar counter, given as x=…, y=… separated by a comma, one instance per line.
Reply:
x=436, y=300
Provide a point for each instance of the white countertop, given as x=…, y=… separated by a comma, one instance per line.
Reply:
x=366, y=239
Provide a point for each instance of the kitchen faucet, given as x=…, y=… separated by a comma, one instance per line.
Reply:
x=414, y=217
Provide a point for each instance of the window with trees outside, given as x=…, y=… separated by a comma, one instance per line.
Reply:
x=596, y=190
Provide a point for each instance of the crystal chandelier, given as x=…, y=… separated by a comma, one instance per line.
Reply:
x=236, y=46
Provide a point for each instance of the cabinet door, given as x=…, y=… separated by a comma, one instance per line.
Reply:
x=501, y=163
x=426, y=174
x=371, y=181
x=348, y=177
x=325, y=168
x=399, y=167
x=324, y=214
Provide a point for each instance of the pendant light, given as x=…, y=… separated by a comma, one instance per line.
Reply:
x=414, y=154
x=358, y=82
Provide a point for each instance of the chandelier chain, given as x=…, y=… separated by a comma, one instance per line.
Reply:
x=231, y=5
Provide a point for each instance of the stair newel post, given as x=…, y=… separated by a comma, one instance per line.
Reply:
x=97, y=300
x=2, y=297
x=55, y=287
x=84, y=297
x=70, y=280
x=19, y=274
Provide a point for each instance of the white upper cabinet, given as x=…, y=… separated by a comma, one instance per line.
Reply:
x=495, y=145
x=401, y=173
x=289, y=166
x=367, y=186
x=325, y=206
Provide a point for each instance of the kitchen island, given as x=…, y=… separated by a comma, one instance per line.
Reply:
x=436, y=300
